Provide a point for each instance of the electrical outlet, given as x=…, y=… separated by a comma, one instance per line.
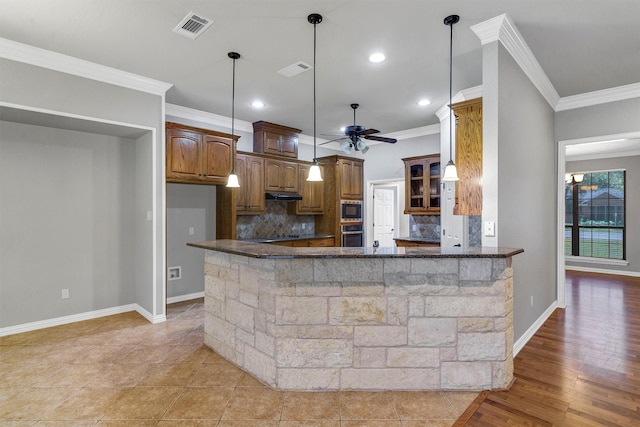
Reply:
x=489, y=228
x=191, y=231
x=65, y=293
x=174, y=273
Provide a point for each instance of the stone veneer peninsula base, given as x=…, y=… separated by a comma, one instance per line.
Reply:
x=362, y=318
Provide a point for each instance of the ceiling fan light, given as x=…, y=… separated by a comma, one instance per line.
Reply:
x=362, y=146
x=450, y=172
x=346, y=147
x=314, y=172
x=578, y=177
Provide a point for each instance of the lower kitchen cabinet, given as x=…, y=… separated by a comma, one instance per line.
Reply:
x=307, y=243
x=412, y=243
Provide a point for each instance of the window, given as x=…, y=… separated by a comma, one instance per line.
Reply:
x=595, y=215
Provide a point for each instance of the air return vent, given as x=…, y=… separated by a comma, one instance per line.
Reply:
x=192, y=25
x=295, y=69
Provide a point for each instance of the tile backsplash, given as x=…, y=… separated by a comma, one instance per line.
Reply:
x=275, y=222
x=426, y=226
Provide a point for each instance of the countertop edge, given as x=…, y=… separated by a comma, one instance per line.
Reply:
x=268, y=251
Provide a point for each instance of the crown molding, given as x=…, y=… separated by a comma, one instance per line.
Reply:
x=588, y=99
x=464, y=95
x=187, y=113
x=501, y=28
x=32, y=55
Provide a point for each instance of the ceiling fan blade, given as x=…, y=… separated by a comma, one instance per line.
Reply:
x=334, y=140
x=381, y=139
x=368, y=132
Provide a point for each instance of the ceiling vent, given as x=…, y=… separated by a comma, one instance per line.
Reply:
x=295, y=69
x=192, y=25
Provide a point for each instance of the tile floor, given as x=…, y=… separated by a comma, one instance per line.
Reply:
x=123, y=371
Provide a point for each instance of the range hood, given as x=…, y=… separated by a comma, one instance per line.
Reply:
x=283, y=197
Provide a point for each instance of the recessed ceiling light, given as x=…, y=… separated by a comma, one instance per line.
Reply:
x=377, y=57
x=424, y=102
x=342, y=129
x=257, y=104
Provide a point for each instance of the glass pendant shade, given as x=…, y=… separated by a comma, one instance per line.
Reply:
x=362, y=146
x=346, y=147
x=450, y=172
x=233, y=181
x=578, y=177
x=314, y=173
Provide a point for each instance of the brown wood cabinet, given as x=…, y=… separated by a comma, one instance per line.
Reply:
x=422, y=185
x=270, y=138
x=197, y=156
x=312, y=192
x=342, y=179
x=412, y=243
x=468, y=157
x=351, y=178
x=250, y=195
x=307, y=243
x=280, y=176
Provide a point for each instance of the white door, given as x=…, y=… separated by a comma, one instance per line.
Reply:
x=384, y=216
x=453, y=226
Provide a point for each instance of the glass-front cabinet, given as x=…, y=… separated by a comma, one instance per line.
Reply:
x=422, y=184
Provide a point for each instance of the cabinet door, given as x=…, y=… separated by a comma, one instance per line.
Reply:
x=469, y=157
x=312, y=202
x=241, y=193
x=183, y=155
x=289, y=146
x=345, y=178
x=357, y=178
x=255, y=185
x=272, y=171
x=289, y=177
x=422, y=185
x=272, y=143
x=250, y=195
x=216, y=158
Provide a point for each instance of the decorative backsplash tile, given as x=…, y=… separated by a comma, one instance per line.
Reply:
x=426, y=226
x=275, y=222
x=475, y=230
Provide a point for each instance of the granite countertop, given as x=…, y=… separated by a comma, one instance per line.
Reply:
x=418, y=239
x=288, y=238
x=261, y=250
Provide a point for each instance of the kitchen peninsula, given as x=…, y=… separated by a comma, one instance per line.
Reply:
x=362, y=318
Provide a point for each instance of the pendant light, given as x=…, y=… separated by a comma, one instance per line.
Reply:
x=314, y=170
x=233, y=178
x=450, y=171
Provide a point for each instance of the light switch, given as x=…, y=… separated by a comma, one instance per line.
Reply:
x=191, y=231
x=490, y=228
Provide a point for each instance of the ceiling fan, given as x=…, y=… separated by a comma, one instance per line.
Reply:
x=354, y=134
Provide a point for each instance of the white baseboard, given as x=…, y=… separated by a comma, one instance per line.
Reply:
x=150, y=317
x=524, y=339
x=602, y=270
x=186, y=297
x=57, y=321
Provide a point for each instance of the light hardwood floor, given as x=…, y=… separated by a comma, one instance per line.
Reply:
x=582, y=367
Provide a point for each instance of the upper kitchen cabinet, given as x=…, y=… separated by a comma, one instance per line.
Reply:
x=198, y=156
x=278, y=140
x=312, y=202
x=351, y=178
x=422, y=185
x=250, y=196
x=280, y=176
x=468, y=157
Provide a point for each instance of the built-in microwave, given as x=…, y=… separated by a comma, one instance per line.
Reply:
x=350, y=210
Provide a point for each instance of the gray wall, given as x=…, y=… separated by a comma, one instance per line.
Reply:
x=66, y=222
x=31, y=87
x=604, y=119
x=632, y=166
x=189, y=206
x=520, y=180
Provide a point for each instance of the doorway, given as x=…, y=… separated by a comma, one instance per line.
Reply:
x=385, y=216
